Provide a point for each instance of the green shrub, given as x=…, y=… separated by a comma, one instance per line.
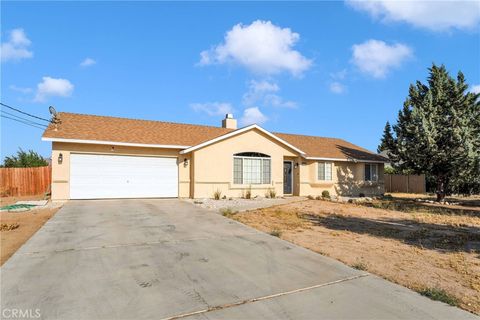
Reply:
x=227, y=212
x=325, y=194
x=361, y=195
x=217, y=194
x=439, y=295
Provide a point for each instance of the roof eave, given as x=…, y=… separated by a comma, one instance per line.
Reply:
x=115, y=143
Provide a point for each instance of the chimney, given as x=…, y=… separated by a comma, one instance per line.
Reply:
x=229, y=122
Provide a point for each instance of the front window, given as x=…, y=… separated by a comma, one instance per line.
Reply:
x=325, y=171
x=371, y=172
x=251, y=168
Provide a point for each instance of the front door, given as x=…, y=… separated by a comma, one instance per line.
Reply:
x=287, y=177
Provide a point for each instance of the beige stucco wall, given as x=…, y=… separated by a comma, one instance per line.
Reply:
x=347, y=180
x=214, y=165
x=61, y=172
x=211, y=168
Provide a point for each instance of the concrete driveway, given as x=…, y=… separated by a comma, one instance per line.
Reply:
x=167, y=259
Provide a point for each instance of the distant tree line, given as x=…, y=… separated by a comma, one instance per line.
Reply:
x=24, y=159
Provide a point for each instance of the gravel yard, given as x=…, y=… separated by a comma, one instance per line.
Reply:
x=239, y=204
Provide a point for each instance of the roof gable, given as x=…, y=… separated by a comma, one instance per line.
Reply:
x=240, y=131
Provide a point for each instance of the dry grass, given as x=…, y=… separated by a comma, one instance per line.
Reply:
x=18, y=227
x=433, y=252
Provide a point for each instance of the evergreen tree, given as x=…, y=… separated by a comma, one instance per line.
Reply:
x=387, y=139
x=25, y=159
x=438, y=133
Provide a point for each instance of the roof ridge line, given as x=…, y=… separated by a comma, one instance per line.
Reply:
x=145, y=120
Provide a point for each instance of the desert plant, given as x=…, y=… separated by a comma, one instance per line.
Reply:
x=439, y=295
x=217, y=194
x=227, y=212
x=360, y=266
x=318, y=198
x=271, y=193
x=310, y=197
x=248, y=193
x=325, y=194
x=275, y=233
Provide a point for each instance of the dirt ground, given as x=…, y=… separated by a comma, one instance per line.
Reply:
x=416, y=247
x=18, y=227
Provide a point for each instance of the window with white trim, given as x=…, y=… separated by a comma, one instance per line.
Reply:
x=371, y=172
x=251, y=168
x=325, y=171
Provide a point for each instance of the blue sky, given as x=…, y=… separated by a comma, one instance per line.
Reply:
x=318, y=68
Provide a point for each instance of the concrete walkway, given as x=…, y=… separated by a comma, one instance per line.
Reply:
x=167, y=259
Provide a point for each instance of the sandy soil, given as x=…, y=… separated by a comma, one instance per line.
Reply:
x=415, y=249
x=22, y=226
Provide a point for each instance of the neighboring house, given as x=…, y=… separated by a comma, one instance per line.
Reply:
x=96, y=157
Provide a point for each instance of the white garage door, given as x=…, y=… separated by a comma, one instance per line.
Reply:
x=104, y=176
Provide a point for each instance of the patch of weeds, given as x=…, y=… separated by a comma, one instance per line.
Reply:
x=228, y=212
x=439, y=295
x=271, y=193
x=360, y=266
x=248, y=193
x=9, y=227
x=217, y=194
x=276, y=233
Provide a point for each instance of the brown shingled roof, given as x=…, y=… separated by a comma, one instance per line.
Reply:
x=102, y=128
x=320, y=147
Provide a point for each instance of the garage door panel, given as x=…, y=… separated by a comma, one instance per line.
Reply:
x=104, y=176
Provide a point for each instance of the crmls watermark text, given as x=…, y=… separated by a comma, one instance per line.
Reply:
x=15, y=313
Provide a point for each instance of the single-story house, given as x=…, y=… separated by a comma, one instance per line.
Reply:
x=96, y=157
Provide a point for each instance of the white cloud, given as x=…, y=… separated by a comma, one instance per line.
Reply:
x=475, y=88
x=16, y=48
x=252, y=115
x=50, y=87
x=257, y=90
x=88, y=62
x=276, y=101
x=377, y=58
x=337, y=87
x=213, y=108
x=20, y=89
x=264, y=92
x=432, y=15
x=261, y=47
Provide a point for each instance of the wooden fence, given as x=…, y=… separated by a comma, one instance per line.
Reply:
x=25, y=181
x=408, y=183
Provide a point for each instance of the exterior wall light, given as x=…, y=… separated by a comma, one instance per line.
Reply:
x=60, y=158
x=296, y=165
x=185, y=162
